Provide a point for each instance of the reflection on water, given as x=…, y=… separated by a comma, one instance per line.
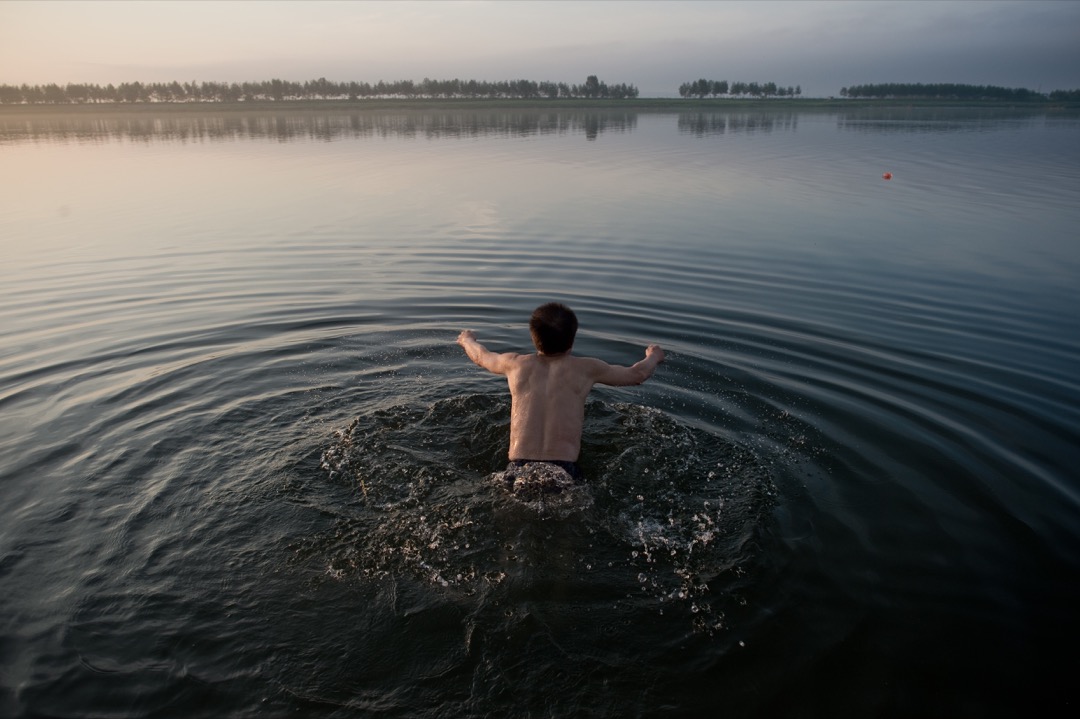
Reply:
x=200, y=126
x=718, y=123
x=938, y=120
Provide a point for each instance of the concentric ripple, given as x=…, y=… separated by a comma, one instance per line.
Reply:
x=243, y=464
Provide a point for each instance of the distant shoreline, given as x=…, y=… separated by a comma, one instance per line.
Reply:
x=625, y=105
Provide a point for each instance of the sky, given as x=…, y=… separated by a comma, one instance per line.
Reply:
x=819, y=46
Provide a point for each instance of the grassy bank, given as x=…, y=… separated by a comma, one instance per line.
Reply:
x=635, y=105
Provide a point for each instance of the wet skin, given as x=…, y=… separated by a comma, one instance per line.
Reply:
x=548, y=394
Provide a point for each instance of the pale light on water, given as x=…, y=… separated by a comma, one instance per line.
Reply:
x=244, y=466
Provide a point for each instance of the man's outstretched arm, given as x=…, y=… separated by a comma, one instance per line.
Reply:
x=481, y=355
x=636, y=373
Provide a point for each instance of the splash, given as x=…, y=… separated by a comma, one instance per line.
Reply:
x=688, y=505
x=546, y=489
x=667, y=515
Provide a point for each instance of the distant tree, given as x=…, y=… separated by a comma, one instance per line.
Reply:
x=591, y=87
x=702, y=87
x=10, y=95
x=944, y=91
x=33, y=94
x=77, y=93
x=321, y=89
x=130, y=91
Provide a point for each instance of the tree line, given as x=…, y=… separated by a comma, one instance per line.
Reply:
x=940, y=91
x=1065, y=95
x=592, y=88
x=715, y=88
x=321, y=89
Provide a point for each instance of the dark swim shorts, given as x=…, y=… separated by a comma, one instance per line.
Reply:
x=570, y=468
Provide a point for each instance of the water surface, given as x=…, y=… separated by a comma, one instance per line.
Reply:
x=245, y=469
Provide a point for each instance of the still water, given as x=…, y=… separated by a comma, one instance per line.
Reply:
x=245, y=470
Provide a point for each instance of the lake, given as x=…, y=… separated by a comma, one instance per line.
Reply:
x=245, y=469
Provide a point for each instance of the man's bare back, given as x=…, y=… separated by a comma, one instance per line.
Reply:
x=548, y=394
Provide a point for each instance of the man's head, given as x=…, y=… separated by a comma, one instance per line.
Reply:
x=553, y=327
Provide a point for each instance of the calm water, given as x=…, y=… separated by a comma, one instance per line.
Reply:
x=245, y=470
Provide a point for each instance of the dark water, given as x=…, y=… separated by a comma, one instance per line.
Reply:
x=245, y=470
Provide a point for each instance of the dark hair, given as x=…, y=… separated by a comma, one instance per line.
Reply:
x=553, y=327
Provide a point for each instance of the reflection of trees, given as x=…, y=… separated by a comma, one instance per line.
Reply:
x=199, y=126
x=924, y=119
x=871, y=120
x=719, y=123
x=286, y=126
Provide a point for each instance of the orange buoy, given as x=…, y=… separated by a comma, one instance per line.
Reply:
x=887, y=176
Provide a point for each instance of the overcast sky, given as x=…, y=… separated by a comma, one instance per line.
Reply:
x=821, y=46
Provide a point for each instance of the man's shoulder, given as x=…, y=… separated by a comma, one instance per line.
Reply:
x=585, y=360
x=515, y=360
x=590, y=367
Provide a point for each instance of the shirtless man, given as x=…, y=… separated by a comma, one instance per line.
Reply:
x=548, y=389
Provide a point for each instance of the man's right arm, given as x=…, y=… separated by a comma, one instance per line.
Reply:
x=481, y=355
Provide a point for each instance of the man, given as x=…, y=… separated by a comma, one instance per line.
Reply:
x=548, y=389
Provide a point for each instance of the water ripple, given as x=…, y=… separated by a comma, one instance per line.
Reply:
x=247, y=454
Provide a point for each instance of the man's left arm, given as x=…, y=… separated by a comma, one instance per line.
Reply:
x=618, y=376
